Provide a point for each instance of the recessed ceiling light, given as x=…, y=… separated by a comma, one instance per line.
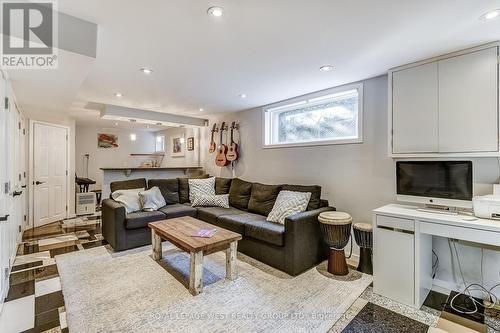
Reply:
x=243, y=96
x=146, y=70
x=216, y=11
x=201, y=110
x=326, y=68
x=116, y=124
x=117, y=94
x=490, y=15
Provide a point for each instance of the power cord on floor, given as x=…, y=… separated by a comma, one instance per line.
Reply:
x=469, y=288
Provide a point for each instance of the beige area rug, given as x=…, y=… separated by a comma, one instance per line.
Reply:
x=130, y=292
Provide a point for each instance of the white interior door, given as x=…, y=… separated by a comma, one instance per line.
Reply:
x=4, y=230
x=50, y=148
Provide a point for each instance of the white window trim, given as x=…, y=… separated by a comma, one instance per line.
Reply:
x=297, y=100
x=156, y=143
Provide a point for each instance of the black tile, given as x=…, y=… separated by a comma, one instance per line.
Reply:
x=435, y=300
x=26, y=266
x=46, y=272
x=22, y=277
x=48, y=302
x=62, y=250
x=20, y=290
x=463, y=303
x=47, y=320
x=376, y=319
x=94, y=244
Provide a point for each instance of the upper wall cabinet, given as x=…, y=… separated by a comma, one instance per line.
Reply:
x=446, y=106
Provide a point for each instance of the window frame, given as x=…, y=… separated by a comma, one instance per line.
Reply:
x=163, y=143
x=282, y=106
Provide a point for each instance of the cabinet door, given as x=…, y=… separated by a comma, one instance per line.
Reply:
x=394, y=264
x=415, y=109
x=468, y=97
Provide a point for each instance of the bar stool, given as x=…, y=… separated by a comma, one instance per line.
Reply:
x=336, y=228
x=363, y=234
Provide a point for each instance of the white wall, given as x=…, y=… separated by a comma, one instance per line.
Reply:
x=355, y=178
x=191, y=158
x=86, y=143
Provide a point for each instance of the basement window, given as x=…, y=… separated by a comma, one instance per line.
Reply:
x=329, y=117
x=160, y=143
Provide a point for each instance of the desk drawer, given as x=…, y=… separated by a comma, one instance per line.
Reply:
x=466, y=234
x=395, y=223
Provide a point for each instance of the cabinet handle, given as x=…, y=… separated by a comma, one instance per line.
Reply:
x=4, y=218
x=16, y=193
x=396, y=230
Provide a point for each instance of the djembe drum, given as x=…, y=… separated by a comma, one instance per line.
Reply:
x=363, y=233
x=336, y=228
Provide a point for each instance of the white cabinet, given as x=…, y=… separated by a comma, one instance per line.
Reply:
x=468, y=102
x=394, y=259
x=446, y=106
x=415, y=109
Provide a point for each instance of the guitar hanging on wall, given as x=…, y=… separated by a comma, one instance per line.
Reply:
x=213, y=147
x=232, y=151
x=220, y=159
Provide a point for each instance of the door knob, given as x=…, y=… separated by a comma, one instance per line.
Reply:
x=39, y=183
x=4, y=218
x=16, y=193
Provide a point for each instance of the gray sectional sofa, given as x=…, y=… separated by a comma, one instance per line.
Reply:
x=293, y=247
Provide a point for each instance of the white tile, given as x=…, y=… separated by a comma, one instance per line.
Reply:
x=62, y=320
x=18, y=315
x=48, y=286
x=27, y=258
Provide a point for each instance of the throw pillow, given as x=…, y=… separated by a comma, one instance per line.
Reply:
x=184, y=187
x=201, y=187
x=221, y=200
x=288, y=203
x=128, y=198
x=152, y=199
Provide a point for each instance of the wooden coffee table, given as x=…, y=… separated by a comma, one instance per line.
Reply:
x=178, y=231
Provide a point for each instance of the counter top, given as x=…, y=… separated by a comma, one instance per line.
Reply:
x=146, y=169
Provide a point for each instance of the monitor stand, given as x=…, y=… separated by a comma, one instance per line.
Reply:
x=439, y=209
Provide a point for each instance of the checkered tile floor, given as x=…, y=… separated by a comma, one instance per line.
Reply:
x=35, y=301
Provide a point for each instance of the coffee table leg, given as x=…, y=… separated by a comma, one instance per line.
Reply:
x=156, y=241
x=196, y=273
x=231, y=268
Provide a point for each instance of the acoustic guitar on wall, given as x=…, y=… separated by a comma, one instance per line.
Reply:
x=220, y=159
x=232, y=151
x=213, y=147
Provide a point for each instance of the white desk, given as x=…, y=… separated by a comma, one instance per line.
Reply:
x=402, y=249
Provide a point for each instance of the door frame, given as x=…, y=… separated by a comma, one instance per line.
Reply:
x=31, y=179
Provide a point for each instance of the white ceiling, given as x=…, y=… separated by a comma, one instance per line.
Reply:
x=269, y=50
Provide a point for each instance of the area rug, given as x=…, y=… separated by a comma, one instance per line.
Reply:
x=130, y=292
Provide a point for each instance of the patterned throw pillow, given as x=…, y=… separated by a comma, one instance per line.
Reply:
x=288, y=203
x=221, y=200
x=129, y=198
x=152, y=199
x=201, y=187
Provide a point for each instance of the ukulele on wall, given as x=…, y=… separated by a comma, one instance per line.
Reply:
x=220, y=159
x=213, y=147
x=232, y=151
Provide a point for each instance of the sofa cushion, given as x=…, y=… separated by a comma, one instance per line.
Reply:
x=210, y=214
x=169, y=189
x=315, y=190
x=262, y=198
x=269, y=232
x=128, y=184
x=222, y=185
x=139, y=220
x=239, y=193
x=178, y=210
x=237, y=222
x=184, y=188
